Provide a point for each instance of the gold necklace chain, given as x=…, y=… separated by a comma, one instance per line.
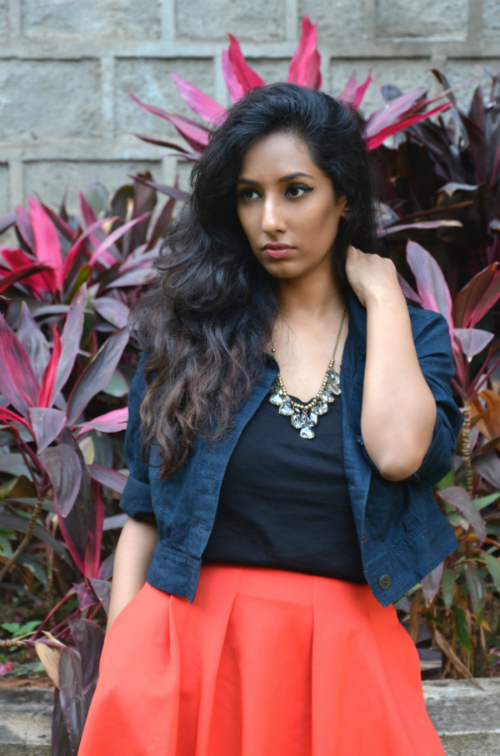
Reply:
x=305, y=416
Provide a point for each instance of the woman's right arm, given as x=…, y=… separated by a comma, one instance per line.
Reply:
x=133, y=555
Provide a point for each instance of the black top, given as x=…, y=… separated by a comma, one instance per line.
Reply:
x=284, y=501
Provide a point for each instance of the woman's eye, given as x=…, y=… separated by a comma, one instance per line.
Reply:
x=298, y=191
x=246, y=194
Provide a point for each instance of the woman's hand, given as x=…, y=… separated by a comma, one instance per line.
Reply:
x=371, y=276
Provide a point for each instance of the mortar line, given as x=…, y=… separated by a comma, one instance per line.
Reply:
x=291, y=19
x=107, y=95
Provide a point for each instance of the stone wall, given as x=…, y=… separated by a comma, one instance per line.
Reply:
x=67, y=66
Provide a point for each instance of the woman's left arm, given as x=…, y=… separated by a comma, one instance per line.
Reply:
x=399, y=410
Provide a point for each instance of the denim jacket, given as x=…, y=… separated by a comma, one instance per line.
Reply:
x=402, y=533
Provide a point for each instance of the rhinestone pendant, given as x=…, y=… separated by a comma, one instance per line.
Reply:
x=307, y=432
x=321, y=408
x=299, y=420
x=286, y=409
x=276, y=399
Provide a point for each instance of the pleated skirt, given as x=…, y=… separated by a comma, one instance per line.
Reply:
x=264, y=662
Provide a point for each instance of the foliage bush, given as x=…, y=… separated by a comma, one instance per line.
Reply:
x=68, y=359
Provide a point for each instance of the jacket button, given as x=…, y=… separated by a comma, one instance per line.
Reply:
x=385, y=582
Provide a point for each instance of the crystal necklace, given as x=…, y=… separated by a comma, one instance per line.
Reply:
x=305, y=416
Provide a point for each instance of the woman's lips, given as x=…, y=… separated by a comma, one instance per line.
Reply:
x=278, y=250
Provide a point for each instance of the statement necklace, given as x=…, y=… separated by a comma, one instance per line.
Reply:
x=305, y=416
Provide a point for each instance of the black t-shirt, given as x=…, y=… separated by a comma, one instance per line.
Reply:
x=284, y=501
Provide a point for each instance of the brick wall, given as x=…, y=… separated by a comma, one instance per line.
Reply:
x=67, y=66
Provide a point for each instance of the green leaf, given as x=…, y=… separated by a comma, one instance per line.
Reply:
x=483, y=501
x=477, y=590
x=447, y=481
x=29, y=627
x=5, y=547
x=34, y=567
x=448, y=587
x=11, y=627
x=118, y=386
x=462, y=631
x=493, y=565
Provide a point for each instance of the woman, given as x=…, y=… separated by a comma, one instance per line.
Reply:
x=270, y=524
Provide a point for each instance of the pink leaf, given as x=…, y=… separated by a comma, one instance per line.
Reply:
x=361, y=90
x=349, y=89
x=26, y=275
x=376, y=140
x=393, y=110
x=46, y=393
x=195, y=134
x=8, y=417
x=47, y=245
x=407, y=290
x=199, y=102
x=305, y=64
x=431, y=283
x=420, y=224
x=245, y=75
x=110, y=422
x=236, y=91
x=18, y=382
x=472, y=340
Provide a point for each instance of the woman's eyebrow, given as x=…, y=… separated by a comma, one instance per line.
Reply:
x=289, y=177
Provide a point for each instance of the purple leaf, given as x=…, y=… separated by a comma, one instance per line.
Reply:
x=114, y=236
x=33, y=340
x=70, y=338
x=112, y=310
x=108, y=477
x=23, y=223
x=488, y=467
x=479, y=292
x=431, y=283
x=60, y=745
x=15, y=522
x=97, y=374
x=86, y=597
x=6, y=221
x=65, y=472
x=431, y=582
x=195, y=134
x=102, y=589
x=170, y=191
x=472, y=340
x=71, y=693
x=18, y=382
x=460, y=499
x=136, y=277
x=89, y=640
x=47, y=425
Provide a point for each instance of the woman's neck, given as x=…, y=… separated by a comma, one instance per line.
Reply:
x=314, y=298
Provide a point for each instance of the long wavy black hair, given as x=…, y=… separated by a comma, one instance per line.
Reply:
x=208, y=316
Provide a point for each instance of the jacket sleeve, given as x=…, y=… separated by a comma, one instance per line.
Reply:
x=432, y=342
x=136, y=496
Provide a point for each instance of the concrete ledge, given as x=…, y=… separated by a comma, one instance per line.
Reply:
x=25, y=721
x=467, y=719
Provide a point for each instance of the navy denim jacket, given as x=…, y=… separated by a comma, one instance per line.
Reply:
x=402, y=532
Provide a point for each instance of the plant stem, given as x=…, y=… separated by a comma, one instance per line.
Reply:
x=26, y=539
x=466, y=451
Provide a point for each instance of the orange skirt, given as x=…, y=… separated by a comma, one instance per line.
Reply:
x=264, y=662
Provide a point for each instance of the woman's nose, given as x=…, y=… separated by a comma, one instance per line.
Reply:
x=272, y=220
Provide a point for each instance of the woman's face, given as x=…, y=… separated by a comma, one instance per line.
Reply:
x=287, y=207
